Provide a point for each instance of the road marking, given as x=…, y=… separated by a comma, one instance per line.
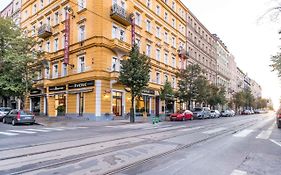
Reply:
x=170, y=128
x=38, y=130
x=22, y=132
x=55, y=129
x=266, y=134
x=213, y=131
x=238, y=172
x=243, y=133
x=190, y=129
x=277, y=143
x=8, y=133
x=153, y=127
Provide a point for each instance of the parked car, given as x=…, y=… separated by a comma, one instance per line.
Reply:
x=278, y=118
x=201, y=113
x=232, y=112
x=215, y=114
x=4, y=111
x=19, y=116
x=246, y=112
x=182, y=115
x=226, y=113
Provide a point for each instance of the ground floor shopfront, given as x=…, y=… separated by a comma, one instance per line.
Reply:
x=96, y=100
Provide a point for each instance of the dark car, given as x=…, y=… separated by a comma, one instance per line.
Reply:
x=19, y=116
x=278, y=118
x=4, y=111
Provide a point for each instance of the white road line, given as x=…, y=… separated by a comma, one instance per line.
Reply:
x=266, y=134
x=158, y=126
x=22, y=132
x=214, y=131
x=8, y=133
x=38, y=130
x=279, y=144
x=190, y=129
x=238, y=172
x=243, y=133
x=169, y=128
x=55, y=129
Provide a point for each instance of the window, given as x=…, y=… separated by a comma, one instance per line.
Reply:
x=173, y=5
x=174, y=42
x=122, y=35
x=148, y=50
x=81, y=64
x=114, y=64
x=47, y=73
x=57, y=18
x=173, y=82
x=148, y=25
x=138, y=19
x=118, y=33
x=48, y=49
x=166, y=78
x=166, y=37
x=33, y=30
x=64, y=69
x=166, y=1
x=166, y=58
x=138, y=42
x=158, y=54
x=81, y=4
x=173, y=62
x=166, y=16
x=34, y=10
x=157, y=77
x=48, y=21
x=158, y=10
x=41, y=4
x=55, y=71
x=158, y=31
x=56, y=44
x=148, y=3
x=173, y=22
x=81, y=33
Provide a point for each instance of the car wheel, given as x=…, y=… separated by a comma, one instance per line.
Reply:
x=183, y=118
x=171, y=119
x=4, y=120
x=13, y=122
x=191, y=118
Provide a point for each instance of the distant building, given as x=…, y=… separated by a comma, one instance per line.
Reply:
x=256, y=89
x=7, y=12
x=240, y=76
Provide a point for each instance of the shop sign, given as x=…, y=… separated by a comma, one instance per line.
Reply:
x=35, y=91
x=66, y=40
x=57, y=88
x=148, y=91
x=81, y=85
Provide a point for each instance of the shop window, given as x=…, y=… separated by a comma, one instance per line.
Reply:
x=117, y=106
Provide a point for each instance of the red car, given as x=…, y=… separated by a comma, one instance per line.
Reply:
x=182, y=115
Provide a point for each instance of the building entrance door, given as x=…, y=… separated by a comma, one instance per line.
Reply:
x=117, y=108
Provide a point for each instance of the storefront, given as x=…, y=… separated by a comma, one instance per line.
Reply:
x=35, y=101
x=57, y=97
x=117, y=103
x=143, y=104
x=82, y=91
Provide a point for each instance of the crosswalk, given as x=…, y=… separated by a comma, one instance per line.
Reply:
x=35, y=131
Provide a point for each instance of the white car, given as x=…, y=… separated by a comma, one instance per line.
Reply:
x=4, y=111
x=215, y=114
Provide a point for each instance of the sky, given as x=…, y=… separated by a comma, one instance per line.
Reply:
x=250, y=40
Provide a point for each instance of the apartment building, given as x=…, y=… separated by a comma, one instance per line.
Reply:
x=256, y=89
x=201, y=47
x=93, y=40
x=7, y=12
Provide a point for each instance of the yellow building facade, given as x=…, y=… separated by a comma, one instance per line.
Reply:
x=100, y=36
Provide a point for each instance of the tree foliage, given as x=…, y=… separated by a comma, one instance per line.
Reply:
x=16, y=58
x=134, y=74
x=167, y=92
x=217, y=95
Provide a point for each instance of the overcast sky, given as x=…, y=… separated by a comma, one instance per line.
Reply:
x=251, y=42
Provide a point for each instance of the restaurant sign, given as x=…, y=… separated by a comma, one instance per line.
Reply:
x=57, y=88
x=81, y=85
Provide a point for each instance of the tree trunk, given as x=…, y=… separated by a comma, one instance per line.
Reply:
x=189, y=104
x=132, y=110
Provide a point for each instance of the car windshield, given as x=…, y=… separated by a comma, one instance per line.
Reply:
x=212, y=111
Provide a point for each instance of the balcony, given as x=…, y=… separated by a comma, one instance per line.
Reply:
x=44, y=31
x=119, y=14
x=120, y=46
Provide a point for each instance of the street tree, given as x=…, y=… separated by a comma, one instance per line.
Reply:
x=16, y=60
x=239, y=100
x=134, y=74
x=166, y=93
x=189, y=81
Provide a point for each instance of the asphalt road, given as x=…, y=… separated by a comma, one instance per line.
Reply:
x=226, y=146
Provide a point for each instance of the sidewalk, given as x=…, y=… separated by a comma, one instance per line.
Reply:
x=78, y=122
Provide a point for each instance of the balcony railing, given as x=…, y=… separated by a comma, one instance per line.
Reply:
x=44, y=31
x=183, y=53
x=119, y=14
